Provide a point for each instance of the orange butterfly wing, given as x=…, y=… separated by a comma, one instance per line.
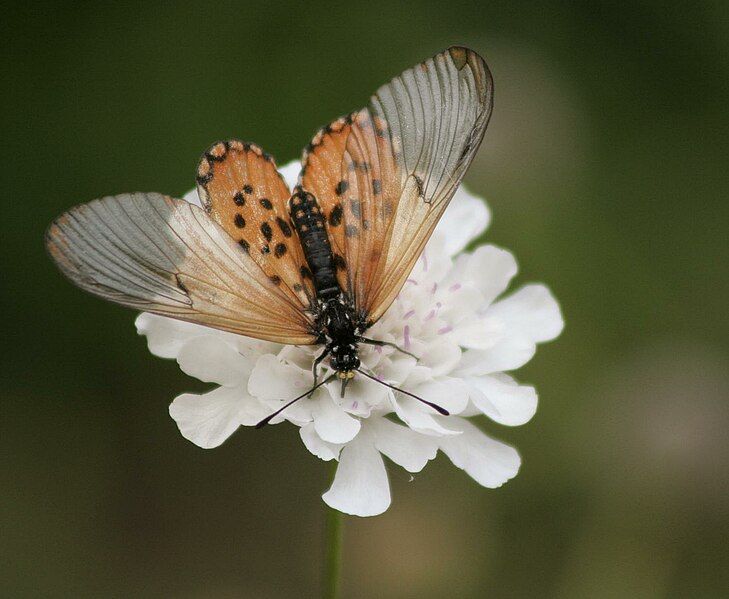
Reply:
x=384, y=175
x=241, y=189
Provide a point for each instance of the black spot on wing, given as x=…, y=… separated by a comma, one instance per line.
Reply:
x=239, y=199
x=341, y=187
x=335, y=216
x=355, y=207
x=240, y=222
x=339, y=262
x=284, y=226
x=266, y=203
x=266, y=231
x=205, y=179
x=279, y=250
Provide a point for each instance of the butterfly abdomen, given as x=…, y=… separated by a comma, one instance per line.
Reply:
x=309, y=224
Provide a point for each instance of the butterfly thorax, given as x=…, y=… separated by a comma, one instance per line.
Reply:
x=342, y=334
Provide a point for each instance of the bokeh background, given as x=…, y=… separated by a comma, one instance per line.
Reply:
x=605, y=167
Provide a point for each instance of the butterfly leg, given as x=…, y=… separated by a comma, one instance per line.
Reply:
x=385, y=344
x=318, y=361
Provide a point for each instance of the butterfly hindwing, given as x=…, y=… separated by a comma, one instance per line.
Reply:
x=154, y=253
x=385, y=174
x=241, y=190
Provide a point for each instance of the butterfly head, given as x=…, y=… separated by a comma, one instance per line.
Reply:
x=345, y=360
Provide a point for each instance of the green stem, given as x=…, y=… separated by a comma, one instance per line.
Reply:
x=333, y=559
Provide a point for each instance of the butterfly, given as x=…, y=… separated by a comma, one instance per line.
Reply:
x=316, y=265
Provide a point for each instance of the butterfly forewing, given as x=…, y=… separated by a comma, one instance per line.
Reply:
x=390, y=170
x=166, y=256
x=241, y=189
x=350, y=167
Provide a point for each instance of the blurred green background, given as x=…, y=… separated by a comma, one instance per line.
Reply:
x=606, y=169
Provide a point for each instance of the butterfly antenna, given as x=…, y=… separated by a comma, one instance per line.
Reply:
x=268, y=419
x=436, y=407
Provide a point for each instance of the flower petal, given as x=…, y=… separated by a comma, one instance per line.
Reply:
x=464, y=220
x=290, y=172
x=419, y=417
x=316, y=445
x=332, y=423
x=531, y=312
x=403, y=446
x=166, y=336
x=212, y=360
x=489, y=462
x=360, y=486
x=441, y=356
x=507, y=354
x=360, y=397
x=274, y=380
x=489, y=268
x=209, y=419
x=479, y=332
x=192, y=197
x=446, y=392
x=502, y=399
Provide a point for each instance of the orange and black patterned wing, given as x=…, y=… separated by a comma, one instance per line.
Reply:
x=241, y=190
x=384, y=175
x=154, y=253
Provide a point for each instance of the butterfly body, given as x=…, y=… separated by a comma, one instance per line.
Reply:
x=309, y=224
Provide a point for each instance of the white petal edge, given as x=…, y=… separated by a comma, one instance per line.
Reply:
x=208, y=419
x=489, y=268
x=402, y=445
x=212, y=359
x=192, y=197
x=532, y=312
x=487, y=461
x=316, y=445
x=332, y=423
x=508, y=354
x=464, y=220
x=166, y=336
x=290, y=172
x=502, y=399
x=360, y=486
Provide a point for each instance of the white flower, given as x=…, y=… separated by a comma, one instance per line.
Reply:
x=449, y=313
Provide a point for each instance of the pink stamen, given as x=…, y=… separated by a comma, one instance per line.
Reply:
x=430, y=315
x=413, y=281
x=425, y=262
x=434, y=289
x=454, y=287
x=354, y=405
x=408, y=314
x=445, y=329
x=406, y=336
